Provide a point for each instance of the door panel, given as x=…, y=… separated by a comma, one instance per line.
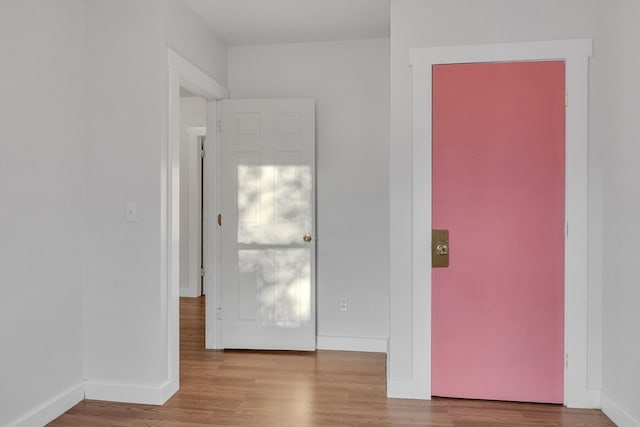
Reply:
x=268, y=196
x=498, y=187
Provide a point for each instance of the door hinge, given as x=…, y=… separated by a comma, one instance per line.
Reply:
x=203, y=153
x=220, y=219
x=566, y=99
x=219, y=313
x=566, y=361
x=202, y=272
x=219, y=125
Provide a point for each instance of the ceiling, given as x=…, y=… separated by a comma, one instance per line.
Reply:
x=240, y=22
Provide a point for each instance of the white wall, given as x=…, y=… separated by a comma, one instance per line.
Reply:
x=349, y=80
x=83, y=124
x=42, y=192
x=418, y=23
x=188, y=35
x=621, y=91
x=193, y=113
x=125, y=304
x=126, y=105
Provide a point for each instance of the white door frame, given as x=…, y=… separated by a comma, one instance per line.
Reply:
x=576, y=55
x=182, y=74
x=211, y=231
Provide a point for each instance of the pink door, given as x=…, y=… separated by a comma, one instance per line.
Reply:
x=498, y=187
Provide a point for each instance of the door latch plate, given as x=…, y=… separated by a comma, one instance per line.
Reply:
x=440, y=248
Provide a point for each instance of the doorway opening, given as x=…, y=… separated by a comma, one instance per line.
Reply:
x=193, y=121
x=186, y=78
x=201, y=235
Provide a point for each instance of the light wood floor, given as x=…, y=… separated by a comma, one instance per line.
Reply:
x=325, y=388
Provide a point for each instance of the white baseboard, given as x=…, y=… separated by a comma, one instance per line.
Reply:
x=583, y=399
x=130, y=393
x=189, y=292
x=617, y=413
x=406, y=389
x=375, y=345
x=170, y=388
x=51, y=409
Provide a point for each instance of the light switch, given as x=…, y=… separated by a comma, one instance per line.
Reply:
x=131, y=209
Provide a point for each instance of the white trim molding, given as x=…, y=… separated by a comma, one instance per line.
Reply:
x=188, y=293
x=51, y=409
x=406, y=389
x=617, y=413
x=576, y=55
x=374, y=345
x=181, y=74
x=129, y=393
x=211, y=231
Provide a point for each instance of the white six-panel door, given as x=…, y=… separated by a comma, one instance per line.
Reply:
x=268, y=223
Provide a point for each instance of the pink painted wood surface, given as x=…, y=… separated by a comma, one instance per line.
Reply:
x=498, y=186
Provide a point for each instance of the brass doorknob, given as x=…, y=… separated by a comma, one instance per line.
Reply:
x=442, y=249
x=307, y=238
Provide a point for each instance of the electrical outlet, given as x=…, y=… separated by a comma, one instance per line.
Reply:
x=344, y=304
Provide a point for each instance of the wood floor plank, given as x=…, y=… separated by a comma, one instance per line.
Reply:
x=323, y=388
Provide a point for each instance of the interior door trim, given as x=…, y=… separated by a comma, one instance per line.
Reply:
x=576, y=55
